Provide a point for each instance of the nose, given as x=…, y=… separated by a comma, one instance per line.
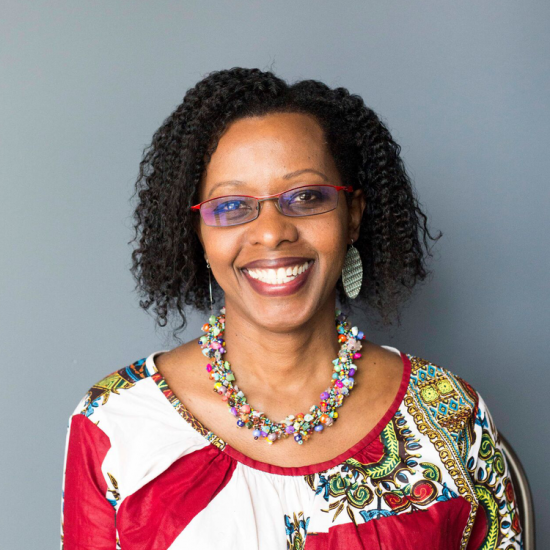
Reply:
x=271, y=227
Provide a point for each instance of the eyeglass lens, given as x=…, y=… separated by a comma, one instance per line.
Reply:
x=237, y=209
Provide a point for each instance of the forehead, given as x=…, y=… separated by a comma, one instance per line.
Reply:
x=269, y=146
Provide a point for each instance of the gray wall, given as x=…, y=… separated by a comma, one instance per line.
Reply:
x=463, y=87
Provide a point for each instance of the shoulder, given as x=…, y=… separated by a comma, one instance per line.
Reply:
x=113, y=387
x=443, y=397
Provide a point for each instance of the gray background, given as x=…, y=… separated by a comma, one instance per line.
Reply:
x=463, y=86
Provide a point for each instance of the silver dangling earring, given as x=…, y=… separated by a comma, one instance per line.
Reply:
x=210, y=287
x=352, y=272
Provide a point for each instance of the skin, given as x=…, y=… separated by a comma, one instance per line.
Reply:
x=281, y=348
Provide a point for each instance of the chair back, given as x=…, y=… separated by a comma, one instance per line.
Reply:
x=524, y=497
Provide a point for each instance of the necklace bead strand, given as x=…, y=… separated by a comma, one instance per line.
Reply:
x=301, y=426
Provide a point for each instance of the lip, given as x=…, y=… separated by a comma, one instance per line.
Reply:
x=276, y=263
x=284, y=289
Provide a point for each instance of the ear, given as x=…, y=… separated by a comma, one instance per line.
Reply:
x=356, y=208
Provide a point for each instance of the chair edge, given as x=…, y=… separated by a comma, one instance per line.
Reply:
x=523, y=492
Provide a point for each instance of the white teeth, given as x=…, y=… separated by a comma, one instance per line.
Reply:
x=278, y=276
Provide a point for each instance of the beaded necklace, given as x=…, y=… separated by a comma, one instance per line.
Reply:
x=301, y=426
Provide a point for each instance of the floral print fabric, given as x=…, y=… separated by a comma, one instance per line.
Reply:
x=141, y=472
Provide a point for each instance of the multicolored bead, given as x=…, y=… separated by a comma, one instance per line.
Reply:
x=301, y=426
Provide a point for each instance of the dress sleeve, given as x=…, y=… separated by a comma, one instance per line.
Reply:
x=87, y=516
x=497, y=520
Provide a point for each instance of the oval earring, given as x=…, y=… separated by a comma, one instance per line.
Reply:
x=352, y=272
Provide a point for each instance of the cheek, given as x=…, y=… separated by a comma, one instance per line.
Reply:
x=221, y=247
x=328, y=238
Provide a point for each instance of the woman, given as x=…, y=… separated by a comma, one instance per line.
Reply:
x=285, y=427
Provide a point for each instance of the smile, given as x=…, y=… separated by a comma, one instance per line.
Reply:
x=279, y=276
x=278, y=282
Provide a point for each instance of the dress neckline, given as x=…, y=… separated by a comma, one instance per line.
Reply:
x=310, y=469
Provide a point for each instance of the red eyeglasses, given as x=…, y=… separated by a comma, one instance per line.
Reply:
x=306, y=200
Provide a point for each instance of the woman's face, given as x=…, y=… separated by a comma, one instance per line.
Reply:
x=262, y=153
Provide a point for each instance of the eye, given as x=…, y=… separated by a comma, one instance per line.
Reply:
x=229, y=206
x=305, y=195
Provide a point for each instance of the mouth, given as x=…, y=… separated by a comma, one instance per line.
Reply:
x=279, y=282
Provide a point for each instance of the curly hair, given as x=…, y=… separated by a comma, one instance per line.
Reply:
x=168, y=264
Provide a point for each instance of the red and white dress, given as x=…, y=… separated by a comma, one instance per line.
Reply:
x=141, y=473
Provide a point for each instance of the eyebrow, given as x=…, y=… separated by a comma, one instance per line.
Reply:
x=285, y=177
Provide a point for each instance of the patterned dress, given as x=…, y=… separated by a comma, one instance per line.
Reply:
x=141, y=472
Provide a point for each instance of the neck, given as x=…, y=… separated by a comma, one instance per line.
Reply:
x=278, y=369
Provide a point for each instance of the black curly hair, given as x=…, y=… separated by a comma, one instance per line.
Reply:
x=168, y=265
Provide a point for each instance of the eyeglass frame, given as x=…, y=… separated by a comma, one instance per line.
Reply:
x=347, y=188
